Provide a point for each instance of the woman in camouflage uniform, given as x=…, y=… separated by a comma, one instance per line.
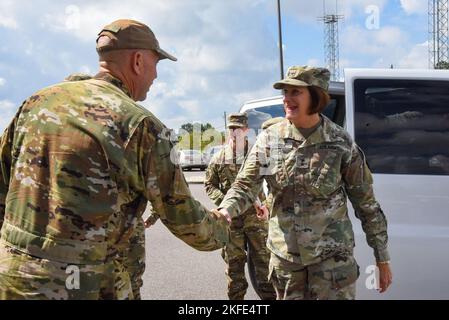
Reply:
x=311, y=166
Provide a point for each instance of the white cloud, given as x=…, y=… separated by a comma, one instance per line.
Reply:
x=7, y=22
x=86, y=69
x=265, y=91
x=2, y=82
x=417, y=57
x=6, y=105
x=379, y=47
x=220, y=65
x=7, y=110
x=191, y=106
x=346, y=63
x=309, y=11
x=85, y=21
x=414, y=6
x=382, y=48
x=7, y=13
x=313, y=62
x=227, y=50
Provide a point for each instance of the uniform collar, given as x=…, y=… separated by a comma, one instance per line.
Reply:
x=322, y=134
x=113, y=80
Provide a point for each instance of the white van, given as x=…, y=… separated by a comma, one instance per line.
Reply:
x=400, y=118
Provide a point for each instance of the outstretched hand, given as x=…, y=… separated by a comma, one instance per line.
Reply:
x=261, y=211
x=150, y=221
x=222, y=214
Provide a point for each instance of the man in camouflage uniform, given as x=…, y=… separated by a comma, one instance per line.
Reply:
x=134, y=256
x=248, y=233
x=311, y=171
x=79, y=162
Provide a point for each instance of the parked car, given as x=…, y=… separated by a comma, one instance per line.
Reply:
x=209, y=153
x=189, y=159
x=400, y=118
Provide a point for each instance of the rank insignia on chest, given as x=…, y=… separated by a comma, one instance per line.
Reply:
x=302, y=162
x=286, y=148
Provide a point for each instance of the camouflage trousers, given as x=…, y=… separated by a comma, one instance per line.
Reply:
x=248, y=238
x=330, y=279
x=26, y=277
x=134, y=258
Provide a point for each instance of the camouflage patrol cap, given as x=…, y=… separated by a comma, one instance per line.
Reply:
x=268, y=123
x=237, y=120
x=305, y=76
x=130, y=34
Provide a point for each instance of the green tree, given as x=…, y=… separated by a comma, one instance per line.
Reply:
x=192, y=138
x=187, y=127
x=442, y=65
x=206, y=126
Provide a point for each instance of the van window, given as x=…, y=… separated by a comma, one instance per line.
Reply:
x=403, y=125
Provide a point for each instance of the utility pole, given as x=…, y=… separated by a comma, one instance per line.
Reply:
x=225, y=120
x=226, y=128
x=281, y=53
x=438, y=34
x=331, y=43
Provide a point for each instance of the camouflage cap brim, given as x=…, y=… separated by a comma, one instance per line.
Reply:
x=233, y=125
x=165, y=55
x=292, y=82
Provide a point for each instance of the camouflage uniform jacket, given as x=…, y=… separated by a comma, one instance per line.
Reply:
x=221, y=173
x=310, y=180
x=79, y=162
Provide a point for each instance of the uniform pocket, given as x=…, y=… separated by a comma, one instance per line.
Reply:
x=345, y=275
x=326, y=175
x=180, y=186
x=276, y=172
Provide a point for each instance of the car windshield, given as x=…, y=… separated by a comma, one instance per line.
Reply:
x=259, y=115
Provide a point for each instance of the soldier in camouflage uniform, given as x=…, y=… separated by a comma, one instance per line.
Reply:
x=311, y=166
x=248, y=233
x=134, y=256
x=78, y=164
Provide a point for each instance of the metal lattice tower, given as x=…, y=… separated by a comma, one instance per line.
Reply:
x=331, y=43
x=438, y=34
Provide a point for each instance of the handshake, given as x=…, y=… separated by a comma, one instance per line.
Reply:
x=261, y=211
x=221, y=213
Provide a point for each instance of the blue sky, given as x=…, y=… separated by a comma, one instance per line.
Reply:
x=227, y=50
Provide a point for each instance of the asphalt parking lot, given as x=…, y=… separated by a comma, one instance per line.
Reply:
x=176, y=271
